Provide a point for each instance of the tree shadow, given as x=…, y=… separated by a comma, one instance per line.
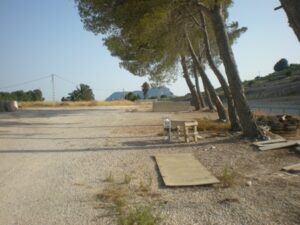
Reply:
x=53, y=112
x=29, y=136
x=34, y=125
x=122, y=148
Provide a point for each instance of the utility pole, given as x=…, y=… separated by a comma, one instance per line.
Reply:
x=53, y=88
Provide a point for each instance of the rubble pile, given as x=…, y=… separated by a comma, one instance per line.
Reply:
x=279, y=123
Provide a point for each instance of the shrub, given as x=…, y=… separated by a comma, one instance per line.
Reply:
x=132, y=97
x=82, y=93
x=141, y=215
x=228, y=178
x=250, y=83
x=281, y=65
x=288, y=73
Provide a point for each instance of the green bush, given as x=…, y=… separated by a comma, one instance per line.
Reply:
x=281, y=65
x=20, y=95
x=132, y=97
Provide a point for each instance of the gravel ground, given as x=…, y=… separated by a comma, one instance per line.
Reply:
x=53, y=162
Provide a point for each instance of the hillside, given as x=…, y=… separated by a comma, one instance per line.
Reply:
x=285, y=83
x=153, y=92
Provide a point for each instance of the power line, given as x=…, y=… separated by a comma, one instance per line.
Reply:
x=94, y=89
x=68, y=81
x=52, y=76
x=24, y=83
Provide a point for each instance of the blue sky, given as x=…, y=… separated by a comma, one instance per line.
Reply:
x=41, y=37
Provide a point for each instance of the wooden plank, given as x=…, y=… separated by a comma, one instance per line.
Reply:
x=183, y=169
x=278, y=145
x=293, y=168
x=263, y=143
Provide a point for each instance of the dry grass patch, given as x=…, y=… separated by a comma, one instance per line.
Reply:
x=212, y=125
x=46, y=104
x=115, y=195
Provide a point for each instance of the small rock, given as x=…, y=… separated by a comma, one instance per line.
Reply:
x=249, y=183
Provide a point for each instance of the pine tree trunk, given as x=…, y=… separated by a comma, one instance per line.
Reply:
x=234, y=121
x=198, y=87
x=208, y=99
x=219, y=105
x=195, y=97
x=213, y=95
x=248, y=123
x=292, y=10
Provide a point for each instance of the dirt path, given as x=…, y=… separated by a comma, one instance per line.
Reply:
x=53, y=162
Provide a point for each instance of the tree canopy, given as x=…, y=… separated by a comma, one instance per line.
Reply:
x=81, y=93
x=20, y=95
x=145, y=89
x=152, y=37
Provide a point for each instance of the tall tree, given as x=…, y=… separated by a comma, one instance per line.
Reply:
x=219, y=105
x=234, y=121
x=195, y=97
x=82, y=93
x=145, y=89
x=197, y=84
x=292, y=10
x=147, y=37
x=215, y=12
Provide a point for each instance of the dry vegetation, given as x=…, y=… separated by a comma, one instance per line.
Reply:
x=212, y=125
x=126, y=204
x=46, y=104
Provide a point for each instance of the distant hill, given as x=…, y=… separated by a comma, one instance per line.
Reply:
x=275, y=85
x=285, y=83
x=153, y=92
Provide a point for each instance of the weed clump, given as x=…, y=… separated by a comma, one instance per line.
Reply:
x=228, y=177
x=110, y=178
x=127, y=179
x=114, y=194
x=141, y=215
x=120, y=200
x=146, y=186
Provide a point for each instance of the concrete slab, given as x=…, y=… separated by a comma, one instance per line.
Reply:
x=264, y=143
x=293, y=168
x=183, y=169
x=278, y=145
